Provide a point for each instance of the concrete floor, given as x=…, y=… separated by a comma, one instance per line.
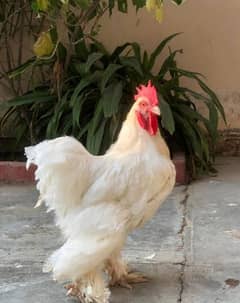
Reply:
x=191, y=248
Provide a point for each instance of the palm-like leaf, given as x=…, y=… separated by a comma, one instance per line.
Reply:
x=97, y=93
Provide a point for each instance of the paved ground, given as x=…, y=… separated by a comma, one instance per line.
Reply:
x=191, y=248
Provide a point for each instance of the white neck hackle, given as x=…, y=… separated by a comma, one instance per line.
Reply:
x=132, y=136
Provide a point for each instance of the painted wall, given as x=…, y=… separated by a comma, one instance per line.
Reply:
x=210, y=40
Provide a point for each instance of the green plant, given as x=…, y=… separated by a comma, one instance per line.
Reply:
x=90, y=100
x=66, y=20
x=57, y=27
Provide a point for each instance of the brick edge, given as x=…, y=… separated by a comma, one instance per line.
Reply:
x=15, y=172
x=182, y=176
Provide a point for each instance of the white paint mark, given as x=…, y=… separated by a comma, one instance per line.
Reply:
x=214, y=182
x=150, y=257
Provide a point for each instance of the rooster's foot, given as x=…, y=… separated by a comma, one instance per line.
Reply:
x=84, y=296
x=72, y=290
x=128, y=279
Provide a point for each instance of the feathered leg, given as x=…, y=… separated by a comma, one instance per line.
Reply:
x=120, y=274
x=90, y=289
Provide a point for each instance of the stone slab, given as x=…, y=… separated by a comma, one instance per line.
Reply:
x=211, y=284
x=212, y=237
x=191, y=248
x=29, y=235
x=159, y=240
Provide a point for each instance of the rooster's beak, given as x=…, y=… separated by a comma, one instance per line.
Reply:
x=155, y=110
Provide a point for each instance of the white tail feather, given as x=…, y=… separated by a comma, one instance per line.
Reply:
x=59, y=164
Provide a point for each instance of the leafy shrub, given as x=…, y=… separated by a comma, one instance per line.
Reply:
x=91, y=98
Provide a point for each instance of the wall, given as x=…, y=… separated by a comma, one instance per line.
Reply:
x=211, y=44
x=210, y=41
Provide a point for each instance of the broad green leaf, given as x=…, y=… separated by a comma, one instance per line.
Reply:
x=191, y=114
x=167, y=116
x=158, y=50
x=213, y=97
x=67, y=124
x=95, y=141
x=111, y=4
x=115, y=127
x=139, y=3
x=189, y=74
x=30, y=98
x=178, y=2
x=118, y=50
x=91, y=60
x=52, y=128
x=20, y=132
x=89, y=79
x=108, y=73
x=97, y=118
x=168, y=63
x=84, y=130
x=205, y=88
x=97, y=46
x=46, y=115
x=196, y=95
x=76, y=110
x=133, y=63
x=54, y=122
x=145, y=62
x=137, y=50
x=213, y=120
x=82, y=3
x=80, y=68
x=107, y=137
x=21, y=68
x=7, y=114
x=122, y=6
x=111, y=98
x=81, y=47
x=204, y=144
x=189, y=135
x=34, y=6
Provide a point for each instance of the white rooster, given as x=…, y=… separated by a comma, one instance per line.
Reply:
x=98, y=200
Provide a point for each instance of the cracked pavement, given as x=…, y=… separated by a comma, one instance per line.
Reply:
x=190, y=249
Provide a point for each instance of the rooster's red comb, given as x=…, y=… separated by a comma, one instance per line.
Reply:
x=148, y=92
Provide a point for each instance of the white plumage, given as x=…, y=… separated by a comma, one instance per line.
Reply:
x=98, y=200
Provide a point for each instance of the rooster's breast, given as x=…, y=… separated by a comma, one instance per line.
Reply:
x=157, y=185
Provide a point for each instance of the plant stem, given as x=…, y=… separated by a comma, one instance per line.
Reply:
x=19, y=61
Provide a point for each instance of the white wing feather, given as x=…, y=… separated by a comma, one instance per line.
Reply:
x=63, y=172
